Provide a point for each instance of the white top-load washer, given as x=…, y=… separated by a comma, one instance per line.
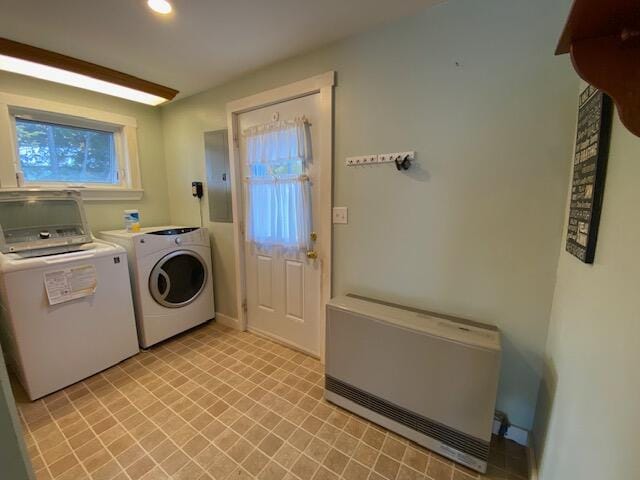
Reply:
x=65, y=302
x=171, y=279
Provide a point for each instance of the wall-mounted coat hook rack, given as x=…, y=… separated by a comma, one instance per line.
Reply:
x=401, y=159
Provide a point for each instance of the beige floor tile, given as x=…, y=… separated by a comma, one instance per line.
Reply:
x=287, y=455
x=206, y=456
x=56, y=452
x=346, y=444
x=387, y=467
x=107, y=472
x=153, y=439
x=329, y=433
x=195, y=445
x=460, y=475
x=215, y=403
x=75, y=473
x=226, y=439
x=240, y=450
x=272, y=471
x=300, y=439
x=140, y=467
x=156, y=473
x=305, y=467
x=270, y=444
x=189, y=471
x=130, y=455
x=439, y=470
x=255, y=462
x=317, y=449
x=365, y=455
x=323, y=474
x=97, y=460
x=222, y=466
x=408, y=473
x=336, y=461
x=356, y=471
x=63, y=465
x=394, y=448
x=175, y=462
x=373, y=437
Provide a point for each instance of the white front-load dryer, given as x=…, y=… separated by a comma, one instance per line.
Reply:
x=171, y=279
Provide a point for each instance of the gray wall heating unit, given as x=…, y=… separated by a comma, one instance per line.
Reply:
x=428, y=377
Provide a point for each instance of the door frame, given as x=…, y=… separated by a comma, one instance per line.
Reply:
x=320, y=84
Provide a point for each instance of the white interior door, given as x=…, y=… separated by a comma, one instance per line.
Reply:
x=283, y=290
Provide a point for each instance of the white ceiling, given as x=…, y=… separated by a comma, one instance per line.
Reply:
x=204, y=43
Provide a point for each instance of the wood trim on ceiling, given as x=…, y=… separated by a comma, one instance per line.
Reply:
x=52, y=59
x=603, y=38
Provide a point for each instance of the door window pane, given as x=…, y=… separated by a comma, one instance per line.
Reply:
x=51, y=152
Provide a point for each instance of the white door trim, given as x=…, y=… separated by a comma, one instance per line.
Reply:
x=322, y=84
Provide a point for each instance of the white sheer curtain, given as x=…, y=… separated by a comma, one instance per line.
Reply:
x=278, y=192
x=278, y=142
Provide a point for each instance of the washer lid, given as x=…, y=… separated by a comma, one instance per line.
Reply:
x=42, y=219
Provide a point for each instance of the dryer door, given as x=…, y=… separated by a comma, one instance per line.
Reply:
x=178, y=278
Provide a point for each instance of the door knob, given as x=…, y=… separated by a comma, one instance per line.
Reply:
x=312, y=254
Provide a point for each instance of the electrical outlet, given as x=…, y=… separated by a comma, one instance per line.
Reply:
x=340, y=215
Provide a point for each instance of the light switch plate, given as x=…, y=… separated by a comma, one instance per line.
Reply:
x=340, y=215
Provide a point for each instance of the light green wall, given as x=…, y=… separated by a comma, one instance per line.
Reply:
x=154, y=207
x=588, y=415
x=13, y=453
x=473, y=229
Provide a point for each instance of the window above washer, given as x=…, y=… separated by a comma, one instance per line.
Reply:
x=48, y=145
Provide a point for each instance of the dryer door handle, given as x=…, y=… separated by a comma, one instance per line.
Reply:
x=167, y=281
x=154, y=284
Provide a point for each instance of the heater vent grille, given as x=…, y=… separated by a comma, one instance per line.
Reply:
x=453, y=438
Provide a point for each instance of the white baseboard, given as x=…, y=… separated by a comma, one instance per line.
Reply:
x=533, y=466
x=282, y=341
x=228, y=321
x=515, y=433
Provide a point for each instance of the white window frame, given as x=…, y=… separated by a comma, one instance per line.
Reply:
x=125, y=139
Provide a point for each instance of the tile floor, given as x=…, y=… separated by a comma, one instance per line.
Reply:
x=215, y=403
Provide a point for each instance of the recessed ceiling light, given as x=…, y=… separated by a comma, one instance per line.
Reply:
x=160, y=6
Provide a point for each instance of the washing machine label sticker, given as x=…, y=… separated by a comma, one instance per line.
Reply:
x=70, y=283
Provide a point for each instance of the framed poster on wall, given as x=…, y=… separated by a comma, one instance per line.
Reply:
x=589, y=169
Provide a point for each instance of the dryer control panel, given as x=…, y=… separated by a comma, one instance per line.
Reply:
x=178, y=237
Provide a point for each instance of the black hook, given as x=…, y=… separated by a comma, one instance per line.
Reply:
x=403, y=163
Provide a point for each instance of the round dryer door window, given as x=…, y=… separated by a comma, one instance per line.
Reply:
x=178, y=279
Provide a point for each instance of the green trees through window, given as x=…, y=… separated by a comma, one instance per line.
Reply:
x=65, y=154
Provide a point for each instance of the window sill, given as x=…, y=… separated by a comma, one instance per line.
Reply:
x=102, y=194
x=92, y=194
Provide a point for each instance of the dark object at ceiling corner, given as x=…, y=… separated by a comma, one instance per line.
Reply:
x=603, y=39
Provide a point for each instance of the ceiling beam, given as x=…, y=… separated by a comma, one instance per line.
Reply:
x=30, y=53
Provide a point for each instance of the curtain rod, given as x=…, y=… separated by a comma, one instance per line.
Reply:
x=302, y=178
